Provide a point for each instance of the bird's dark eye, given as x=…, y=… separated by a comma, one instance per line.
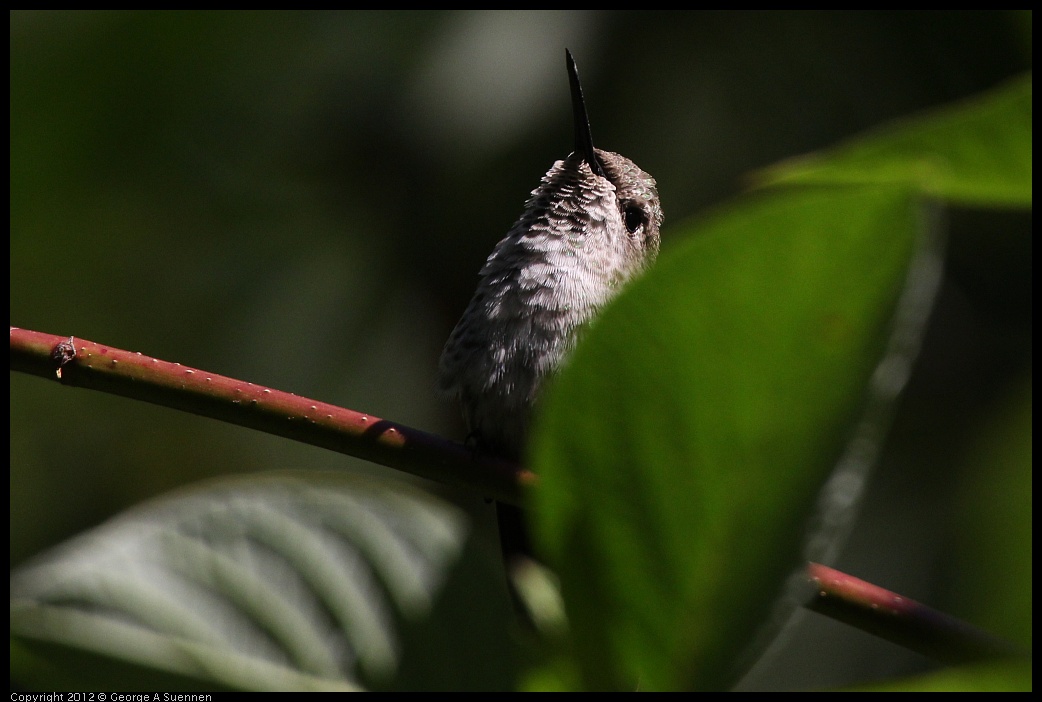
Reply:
x=634, y=218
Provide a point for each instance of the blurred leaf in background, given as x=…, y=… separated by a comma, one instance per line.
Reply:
x=287, y=581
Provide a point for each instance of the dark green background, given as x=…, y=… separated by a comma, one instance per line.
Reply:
x=303, y=200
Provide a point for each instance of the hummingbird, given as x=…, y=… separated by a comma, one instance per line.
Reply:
x=590, y=227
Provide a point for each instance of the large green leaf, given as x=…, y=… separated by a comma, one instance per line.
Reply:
x=290, y=581
x=681, y=450
x=974, y=153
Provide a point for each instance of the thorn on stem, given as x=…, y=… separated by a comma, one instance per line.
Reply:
x=62, y=354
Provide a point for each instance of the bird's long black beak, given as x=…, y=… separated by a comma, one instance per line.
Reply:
x=583, y=140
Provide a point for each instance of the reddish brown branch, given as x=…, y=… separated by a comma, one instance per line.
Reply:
x=900, y=620
x=80, y=363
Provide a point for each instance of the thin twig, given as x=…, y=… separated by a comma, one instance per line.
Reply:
x=901, y=620
x=77, y=362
